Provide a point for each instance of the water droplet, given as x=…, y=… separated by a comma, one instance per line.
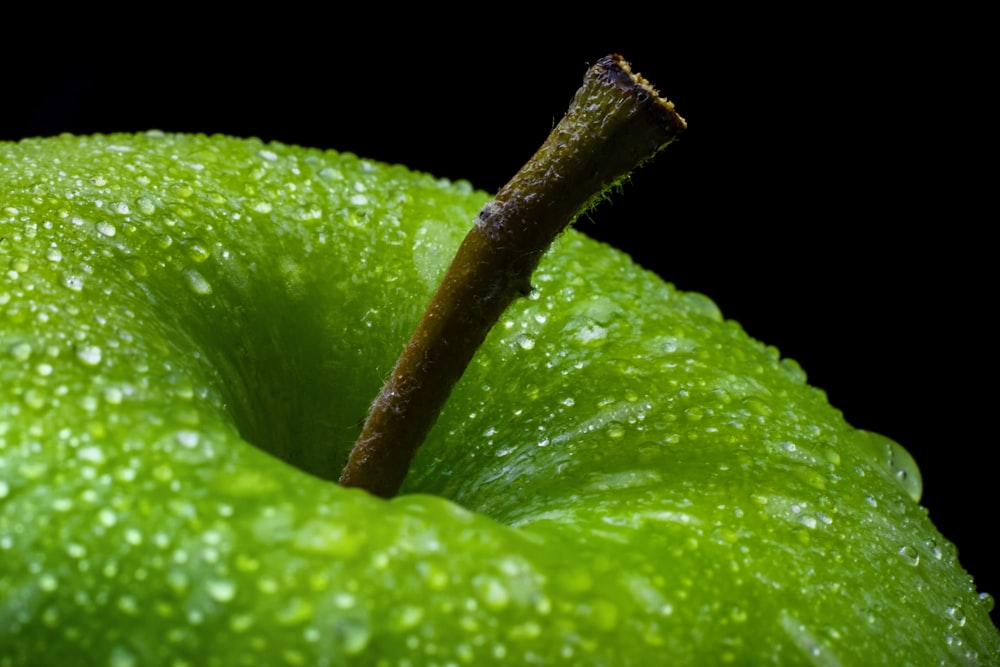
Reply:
x=128, y=605
x=196, y=249
x=47, y=582
x=295, y=611
x=4, y=489
x=615, y=430
x=354, y=632
x=526, y=342
x=188, y=439
x=957, y=614
x=73, y=282
x=106, y=228
x=197, y=282
x=89, y=355
x=21, y=351
x=182, y=190
x=91, y=454
x=120, y=207
x=905, y=471
x=910, y=555
x=221, y=590
x=122, y=657
x=146, y=205
x=985, y=599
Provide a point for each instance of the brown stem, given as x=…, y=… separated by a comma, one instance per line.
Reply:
x=615, y=122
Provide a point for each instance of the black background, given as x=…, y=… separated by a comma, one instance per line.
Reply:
x=828, y=194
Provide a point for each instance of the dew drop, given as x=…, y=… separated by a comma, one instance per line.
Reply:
x=910, y=555
x=122, y=657
x=106, y=228
x=905, y=471
x=197, y=282
x=615, y=430
x=196, y=249
x=113, y=395
x=128, y=605
x=221, y=590
x=21, y=351
x=91, y=454
x=89, y=355
x=4, y=489
x=957, y=614
x=146, y=205
x=526, y=342
x=985, y=599
x=182, y=190
x=73, y=282
x=136, y=267
x=355, y=632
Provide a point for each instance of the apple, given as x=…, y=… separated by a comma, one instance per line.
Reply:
x=191, y=331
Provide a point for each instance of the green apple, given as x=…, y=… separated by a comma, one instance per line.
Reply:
x=191, y=331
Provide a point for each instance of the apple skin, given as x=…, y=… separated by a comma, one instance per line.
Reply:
x=621, y=477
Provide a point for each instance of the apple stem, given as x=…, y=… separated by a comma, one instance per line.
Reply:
x=615, y=122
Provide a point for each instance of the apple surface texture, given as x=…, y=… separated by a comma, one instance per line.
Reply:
x=192, y=329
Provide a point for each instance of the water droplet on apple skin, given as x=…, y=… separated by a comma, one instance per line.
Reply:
x=909, y=555
x=195, y=249
x=196, y=282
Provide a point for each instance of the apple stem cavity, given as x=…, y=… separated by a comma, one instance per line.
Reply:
x=616, y=122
